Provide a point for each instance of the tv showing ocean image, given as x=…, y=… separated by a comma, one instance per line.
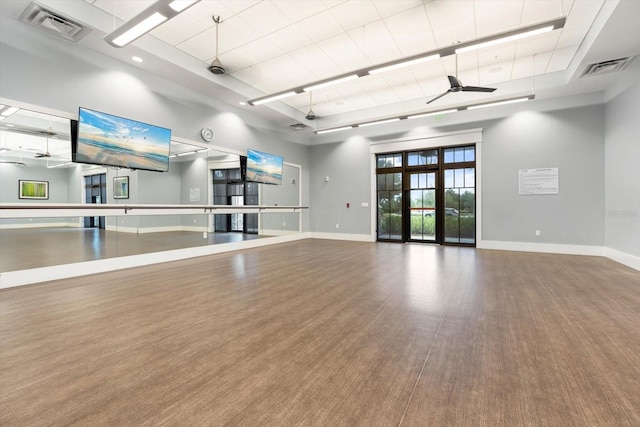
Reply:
x=105, y=139
x=263, y=167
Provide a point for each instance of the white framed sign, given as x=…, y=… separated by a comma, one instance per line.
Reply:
x=538, y=181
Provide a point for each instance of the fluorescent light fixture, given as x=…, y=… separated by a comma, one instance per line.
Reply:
x=493, y=104
x=404, y=64
x=9, y=125
x=9, y=111
x=491, y=40
x=180, y=5
x=186, y=153
x=204, y=150
x=433, y=113
x=147, y=20
x=379, y=122
x=143, y=27
x=137, y=59
x=272, y=98
x=333, y=130
x=330, y=83
x=505, y=39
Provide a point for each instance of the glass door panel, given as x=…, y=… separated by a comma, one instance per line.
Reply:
x=459, y=206
x=422, y=206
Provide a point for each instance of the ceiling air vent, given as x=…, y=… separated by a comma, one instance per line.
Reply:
x=606, y=67
x=298, y=126
x=53, y=23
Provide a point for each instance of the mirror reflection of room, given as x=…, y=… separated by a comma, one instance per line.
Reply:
x=36, y=155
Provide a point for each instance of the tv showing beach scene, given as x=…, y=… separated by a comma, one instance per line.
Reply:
x=263, y=167
x=105, y=139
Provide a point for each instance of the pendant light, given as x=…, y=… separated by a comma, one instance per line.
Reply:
x=216, y=66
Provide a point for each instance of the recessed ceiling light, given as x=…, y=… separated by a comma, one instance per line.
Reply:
x=137, y=59
x=242, y=103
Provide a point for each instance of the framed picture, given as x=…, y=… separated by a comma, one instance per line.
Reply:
x=34, y=189
x=121, y=187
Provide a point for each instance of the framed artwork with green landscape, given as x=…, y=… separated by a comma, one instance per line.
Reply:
x=34, y=189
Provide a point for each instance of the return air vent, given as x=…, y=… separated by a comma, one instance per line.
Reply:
x=606, y=67
x=53, y=23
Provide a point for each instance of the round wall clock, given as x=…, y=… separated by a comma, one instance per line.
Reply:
x=207, y=134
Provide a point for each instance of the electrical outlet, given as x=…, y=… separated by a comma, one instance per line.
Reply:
x=337, y=225
x=537, y=232
x=204, y=235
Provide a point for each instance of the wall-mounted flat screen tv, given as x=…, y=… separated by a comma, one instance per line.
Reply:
x=105, y=139
x=263, y=167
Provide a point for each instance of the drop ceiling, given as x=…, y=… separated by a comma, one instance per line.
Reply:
x=268, y=46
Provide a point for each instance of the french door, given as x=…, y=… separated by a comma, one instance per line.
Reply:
x=427, y=196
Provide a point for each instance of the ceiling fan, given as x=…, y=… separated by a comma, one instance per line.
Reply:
x=46, y=153
x=457, y=86
x=14, y=162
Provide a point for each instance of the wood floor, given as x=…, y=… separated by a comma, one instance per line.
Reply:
x=329, y=333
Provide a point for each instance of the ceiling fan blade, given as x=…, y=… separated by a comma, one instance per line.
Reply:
x=454, y=82
x=439, y=96
x=477, y=89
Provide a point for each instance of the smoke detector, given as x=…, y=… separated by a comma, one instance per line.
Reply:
x=298, y=126
x=53, y=23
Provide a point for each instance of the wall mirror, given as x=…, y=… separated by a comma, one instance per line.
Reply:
x=36, y=148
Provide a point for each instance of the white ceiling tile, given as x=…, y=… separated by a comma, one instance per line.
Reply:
x=179, y=29
x=494, y=73
x=235, y=32
x=295, y=72
x=376, y=43
x=390, y=8
x=316, y=61
x=319, y=27
x=201, y=46
x=289, y=39
x=411, y=31
x=583, y=13
x=537, y=45
x=496, y=55
x=522, y=67
x=124, y=10
x=496, y=16
x=239, y=6
x=262, y=49
x=535, y=11
x=451, y=21
x=561, y=59
x=353, y=14
x=300, y=9
x=236, y=60
x=265, y=18
x=204, y=11
x=570, y=38
x=344, y=52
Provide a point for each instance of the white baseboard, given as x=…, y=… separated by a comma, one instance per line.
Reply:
x=343, y=236
x=144, y=230
x=278, y=232
x=623, y=258
x=37, y=225
x=550, y=248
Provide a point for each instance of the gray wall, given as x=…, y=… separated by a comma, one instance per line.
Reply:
x=347, y=164
x=622, y=172
x=570, y=140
